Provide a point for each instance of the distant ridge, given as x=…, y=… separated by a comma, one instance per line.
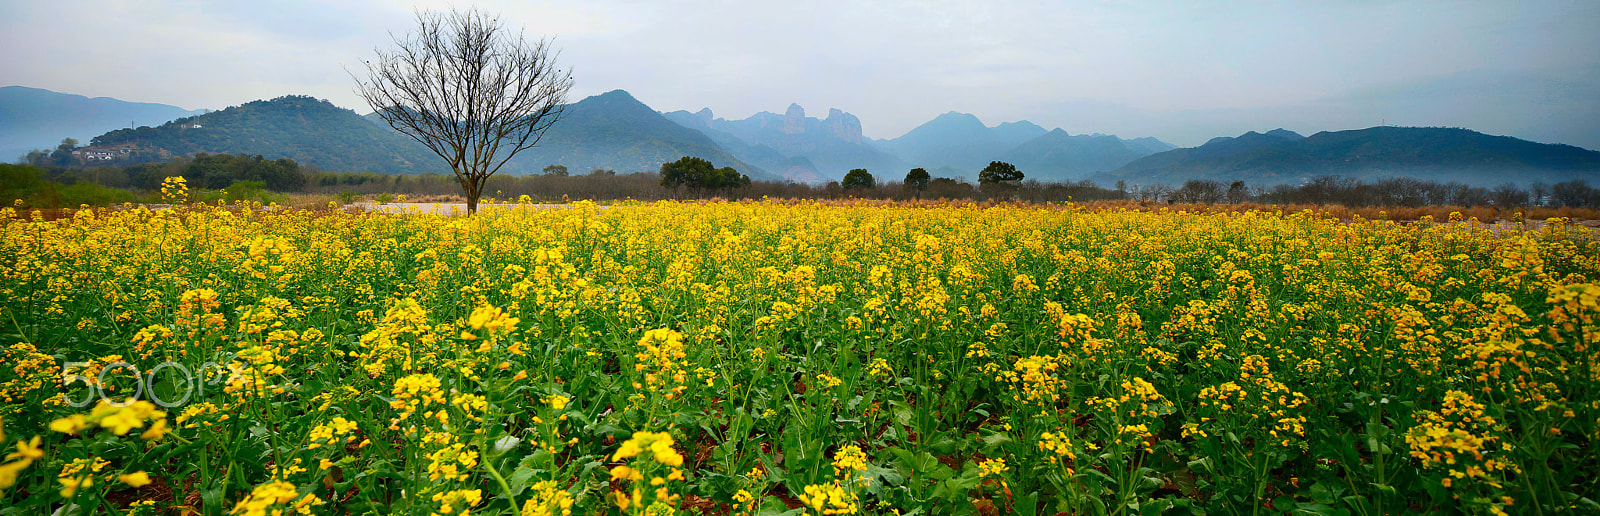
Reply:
x=793, y=168
x=610, y=131
x=1058, y=156
x=1430, y=153
x=33, y=118
x=959, y=144
x=957, y=140
x=615, y=131
x=305, y=129
x=798, y=147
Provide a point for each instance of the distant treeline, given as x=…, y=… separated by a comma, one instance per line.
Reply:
x=608, y=185
x=251, y=173
x=605, y=185
x=1398, y=191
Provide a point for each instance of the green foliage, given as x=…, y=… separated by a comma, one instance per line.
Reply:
x=21, y=178
x=29, y=184
x=91, y=194
x=700, y=174
x=556, y=170
x=857, y=179
x=999, y=172
x=221, y=170
x=917, y=179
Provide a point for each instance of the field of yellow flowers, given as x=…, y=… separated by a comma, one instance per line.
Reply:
x=795, y=358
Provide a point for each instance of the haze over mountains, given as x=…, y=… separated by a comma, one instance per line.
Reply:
x=617, y=132
x=32, y=118
x=1429, y=153
x=808, y=149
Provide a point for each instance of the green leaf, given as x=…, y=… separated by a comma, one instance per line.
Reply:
x=997, y=439
x=1152, y=507
x=1312, y=508
x=1324, y=492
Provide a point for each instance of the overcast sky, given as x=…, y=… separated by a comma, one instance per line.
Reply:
x=1179, y=71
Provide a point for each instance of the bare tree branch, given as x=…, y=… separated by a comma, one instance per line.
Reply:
x=469, y=91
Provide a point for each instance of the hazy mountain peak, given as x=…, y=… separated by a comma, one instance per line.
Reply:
x=1285, y=134
x=1021, y=124
x=1012, y=134
x=843, y=126
x=617, y=94
x=794, y=119
x=955, y=116
x=1057, y=155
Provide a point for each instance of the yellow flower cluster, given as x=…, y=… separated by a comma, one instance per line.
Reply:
x=992, y=467
x=275, y=498
x=1035, y=380
x=1058, y=445
x=459, y=501
x=34, y=372
x=849, y=461
x=175, y=189
x=494, y=321
x=829, y=499
x=657, y=448
x=547, y=500
x=662, y=361
x=1257, y=400
x=879, y=368
x=413, y=392
x=325, y=434
x=118, y=419
x=1460, y=439
x=659, y=445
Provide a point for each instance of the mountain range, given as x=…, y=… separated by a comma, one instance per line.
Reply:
x=301, y=128
x=611, y=131
x=32, y=118
x=1430, y=153
x=615, y=131
x=807, y=149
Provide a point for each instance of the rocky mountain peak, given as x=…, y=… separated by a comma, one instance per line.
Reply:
x=843, y=126
x=794, y=120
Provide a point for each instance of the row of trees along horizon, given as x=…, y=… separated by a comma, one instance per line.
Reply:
x=255, y=178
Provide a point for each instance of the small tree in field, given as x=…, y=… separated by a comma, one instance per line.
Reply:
x=999, y=172
x=917, y=179
x=469, y=90
x=699, y=174
x=858, y=178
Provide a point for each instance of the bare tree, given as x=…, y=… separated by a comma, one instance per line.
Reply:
x=469, y=90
